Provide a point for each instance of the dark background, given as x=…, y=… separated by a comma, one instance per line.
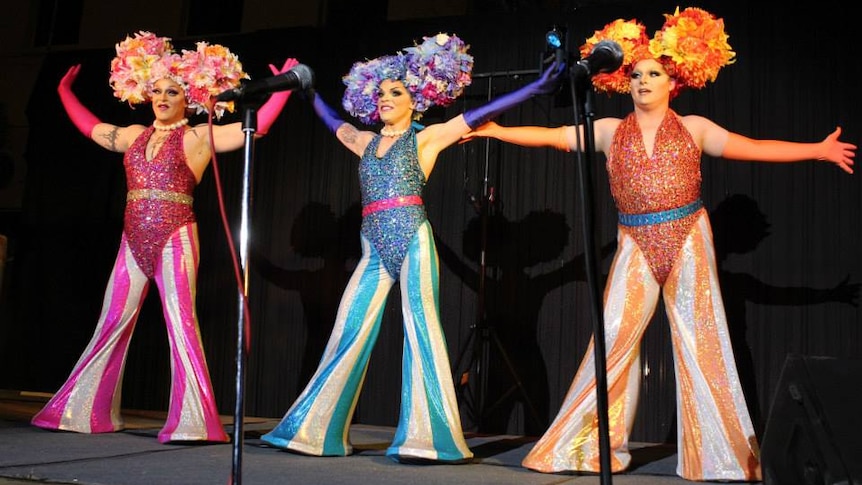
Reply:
x=787, y=236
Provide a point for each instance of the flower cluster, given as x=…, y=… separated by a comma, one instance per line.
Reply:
x=363, y=83
x=694, y=43
x=435, y=73
x=138, y=59
x=691, y=45
x=204, y=73
x=632, y=38
x=208, y=71
x=438, y=70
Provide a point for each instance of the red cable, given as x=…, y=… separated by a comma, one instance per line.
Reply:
x=229, y=237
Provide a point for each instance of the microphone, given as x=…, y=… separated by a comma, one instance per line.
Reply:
x=299, y=76
x=607, y=56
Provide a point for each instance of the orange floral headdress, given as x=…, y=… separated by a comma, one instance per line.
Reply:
x=691, y=45
x=632, y=38
x=203, y=73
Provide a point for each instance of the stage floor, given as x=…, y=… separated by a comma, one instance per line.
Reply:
x=134, y=457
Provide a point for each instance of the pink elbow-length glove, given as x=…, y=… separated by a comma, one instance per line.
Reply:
x=270, y=110
x=83, y=119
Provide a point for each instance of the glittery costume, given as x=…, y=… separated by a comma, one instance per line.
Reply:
x=676, y=259
x=159, y=198
x=159, y=242
x=397, y=244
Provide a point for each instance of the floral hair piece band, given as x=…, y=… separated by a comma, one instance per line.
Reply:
x=435, y=73
x=691, y=45
x=203, y=73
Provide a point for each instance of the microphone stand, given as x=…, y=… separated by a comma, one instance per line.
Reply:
x=582, y=105
x=249, y=128
x=482, y=333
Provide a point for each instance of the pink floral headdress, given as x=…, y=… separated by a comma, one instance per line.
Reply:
x=691, y=45
x=435, y=72
x=132, y=68
x=203, y=73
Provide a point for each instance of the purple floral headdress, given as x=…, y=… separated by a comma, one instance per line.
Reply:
x=435, y=72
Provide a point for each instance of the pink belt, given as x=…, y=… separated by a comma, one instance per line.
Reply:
x=382, y=205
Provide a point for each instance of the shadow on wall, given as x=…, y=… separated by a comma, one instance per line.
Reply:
x=513, y=298
x=317, y=233
x=739, y=227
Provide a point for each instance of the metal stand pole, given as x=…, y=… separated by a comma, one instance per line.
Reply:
x=582, y=96
x=483, y=334
x=249, y=128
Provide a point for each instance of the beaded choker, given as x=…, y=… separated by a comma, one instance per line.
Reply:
x=386, y=131
x=173, y=126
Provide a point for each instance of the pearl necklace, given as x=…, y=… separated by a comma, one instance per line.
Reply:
x=173, y=126
x=386, y=131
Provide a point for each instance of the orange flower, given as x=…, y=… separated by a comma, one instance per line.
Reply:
x=693, y=46
x=631, y=37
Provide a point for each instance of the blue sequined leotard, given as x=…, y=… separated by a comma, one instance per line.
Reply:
x=396, y=174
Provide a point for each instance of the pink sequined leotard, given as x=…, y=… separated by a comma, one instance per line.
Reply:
x=160, y=196
x=643, y=184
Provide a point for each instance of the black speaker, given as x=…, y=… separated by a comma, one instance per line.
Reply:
x=813, y=433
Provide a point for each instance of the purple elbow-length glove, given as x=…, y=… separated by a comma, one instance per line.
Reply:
x=546, y=84
x=325, y=112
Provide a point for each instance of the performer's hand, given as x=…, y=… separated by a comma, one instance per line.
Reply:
x=81, y=117
x=838, y=152
x=69, y=78
x=289, y=64
x=846, y=292
x=548, y=83
x=483, y=131
x=270, y=110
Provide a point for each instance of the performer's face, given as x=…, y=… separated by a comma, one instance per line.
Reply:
x=169, y=101
x=394, y=103
x=650, y=82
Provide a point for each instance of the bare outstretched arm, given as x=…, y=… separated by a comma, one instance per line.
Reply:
x=831, y=149
x=527, y=136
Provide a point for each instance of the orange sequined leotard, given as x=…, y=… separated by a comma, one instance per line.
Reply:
x=159, y=196
x=643, y=184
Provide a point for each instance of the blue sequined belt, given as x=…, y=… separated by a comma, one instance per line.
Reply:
x=658, y=217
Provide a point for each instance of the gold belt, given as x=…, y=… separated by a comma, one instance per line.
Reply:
x=149, y=194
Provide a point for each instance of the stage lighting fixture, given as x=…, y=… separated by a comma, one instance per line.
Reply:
x=555, y=38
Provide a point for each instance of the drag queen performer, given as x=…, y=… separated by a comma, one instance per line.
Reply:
x=163, y=163
x=397, y=244
x=664, y=249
